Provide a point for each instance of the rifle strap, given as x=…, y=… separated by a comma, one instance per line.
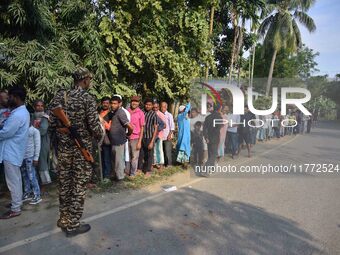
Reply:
x=65, y=102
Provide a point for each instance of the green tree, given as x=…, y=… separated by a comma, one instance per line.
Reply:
x=43, y=42
x=281, y=30
x=301, y=64
x=157, y=47
x=263, y=103
x=332, y=91
x=150, y=47
x=337, y=77
x=240, y=11
x=229, y=45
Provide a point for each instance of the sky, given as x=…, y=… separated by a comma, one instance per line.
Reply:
x=326, y=38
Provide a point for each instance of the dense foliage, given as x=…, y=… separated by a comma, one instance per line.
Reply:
x=156, y=47
x=148, y=47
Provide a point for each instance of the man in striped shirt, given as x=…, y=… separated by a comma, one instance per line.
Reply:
x=149, y=137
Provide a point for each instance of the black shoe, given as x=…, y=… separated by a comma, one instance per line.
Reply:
x=9, y=214
x=83, y=228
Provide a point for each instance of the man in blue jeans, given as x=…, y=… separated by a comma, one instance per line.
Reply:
x=28, y=172
x=118, y=136
x=13, y=139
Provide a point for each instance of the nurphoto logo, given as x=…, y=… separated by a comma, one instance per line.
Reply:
x=238, y=106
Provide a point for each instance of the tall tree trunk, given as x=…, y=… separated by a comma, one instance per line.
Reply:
x=239, y=76
x=252, y=66
x=249, y=69
x=250, y=57
x=233, y=52
x=253, y=52
x=240, y=41
x=271, y=70
x=239, y=47
x=175, y=109
x=211, y=25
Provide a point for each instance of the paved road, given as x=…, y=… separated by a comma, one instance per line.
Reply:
x=294, y=213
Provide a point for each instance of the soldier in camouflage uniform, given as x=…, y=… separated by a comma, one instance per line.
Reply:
x=74, y=171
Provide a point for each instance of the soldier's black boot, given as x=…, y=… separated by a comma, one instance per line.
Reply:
x=83, y=228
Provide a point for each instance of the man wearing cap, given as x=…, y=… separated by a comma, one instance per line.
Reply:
x=135, y=139
x=74, y=171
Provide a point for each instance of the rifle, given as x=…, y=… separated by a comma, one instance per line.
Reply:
x=72, y=131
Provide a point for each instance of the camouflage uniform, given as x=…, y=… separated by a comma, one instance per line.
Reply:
x=73, y=171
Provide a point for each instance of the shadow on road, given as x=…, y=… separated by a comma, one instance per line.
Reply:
x=184, y=222
x=194, y=222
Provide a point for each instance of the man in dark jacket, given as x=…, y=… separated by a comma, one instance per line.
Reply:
x=211, y=133
x=245, y=132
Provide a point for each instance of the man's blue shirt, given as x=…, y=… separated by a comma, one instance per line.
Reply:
x=13, y=136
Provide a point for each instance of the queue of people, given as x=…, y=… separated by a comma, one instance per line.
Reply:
x=212, y=139
x=137, y=140
x=24, y=148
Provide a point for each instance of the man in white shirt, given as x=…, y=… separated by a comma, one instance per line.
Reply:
x=167, y=134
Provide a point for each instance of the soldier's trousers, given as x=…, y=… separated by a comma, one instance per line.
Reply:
x=74, y=173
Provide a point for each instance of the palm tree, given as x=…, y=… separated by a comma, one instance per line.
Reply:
x=254, y=27
x=234, y=21
x=281, y=30
x=241, y=10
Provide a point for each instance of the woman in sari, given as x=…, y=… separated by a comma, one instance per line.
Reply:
x=183, y=142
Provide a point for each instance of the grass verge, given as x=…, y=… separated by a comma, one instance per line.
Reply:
x=139, y=181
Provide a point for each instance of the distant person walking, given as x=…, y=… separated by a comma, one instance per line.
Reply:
x=167, y=134
x=211, y=133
